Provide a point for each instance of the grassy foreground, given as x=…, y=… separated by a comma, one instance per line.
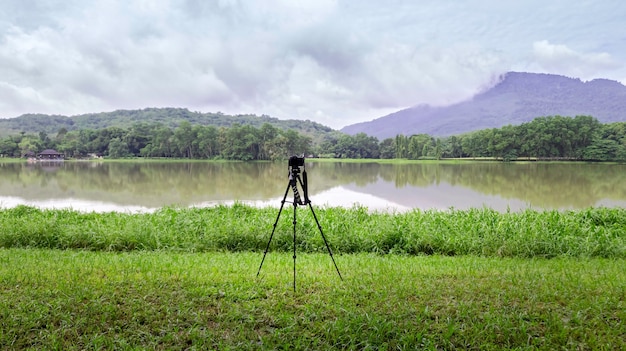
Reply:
x=76, y=300
x=186, y=279
x=595, y=232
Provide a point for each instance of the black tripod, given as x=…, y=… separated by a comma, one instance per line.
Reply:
x=294, y=179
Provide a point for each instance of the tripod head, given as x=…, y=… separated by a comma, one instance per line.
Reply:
x=295, y=163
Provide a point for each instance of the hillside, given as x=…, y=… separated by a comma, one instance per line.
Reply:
x=170, y=117
x=515, y=99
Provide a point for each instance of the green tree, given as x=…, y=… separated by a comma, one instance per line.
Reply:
x=365, y=146
x=241, y=143
x=345, y=147
x=269, y=149
x=45, y=142
x=503, y=143
x=388, y=148
x=471, y=144
x=451, y=147
x=418, y=146
x=118, y=148
x=208, y=143
x=61, y=134
x=29, y=143
x=292, y=143
x=101, y=138
x=137, y=137
x=9, y=148
x=415, y=148
x=70, y=145
x=402, y=146
x=84, y=141
x=602, y=150
x=185, y=137
x=438, y=148
x=161, y=144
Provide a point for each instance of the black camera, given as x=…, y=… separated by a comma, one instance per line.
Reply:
x=295, y=161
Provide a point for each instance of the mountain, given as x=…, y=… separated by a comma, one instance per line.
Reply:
x=169, y=117
x=516, y=98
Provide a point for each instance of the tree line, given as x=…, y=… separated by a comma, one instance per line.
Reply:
x=552, y=137
x=238, y=142
x=581, y=138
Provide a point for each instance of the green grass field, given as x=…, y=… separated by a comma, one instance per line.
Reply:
x=434, y=280
x=65, y=299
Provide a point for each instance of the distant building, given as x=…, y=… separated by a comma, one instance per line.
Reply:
x=50, y=155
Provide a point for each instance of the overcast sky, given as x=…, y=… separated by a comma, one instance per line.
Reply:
x=335, y=62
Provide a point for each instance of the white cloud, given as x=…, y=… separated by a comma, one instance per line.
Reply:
x=334, y=62
x=556, y=58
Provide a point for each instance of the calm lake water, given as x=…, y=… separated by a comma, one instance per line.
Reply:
x=93, y=186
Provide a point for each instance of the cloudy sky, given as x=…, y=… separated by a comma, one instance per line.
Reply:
x=335, y=62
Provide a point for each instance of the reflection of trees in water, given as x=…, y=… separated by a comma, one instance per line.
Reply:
x=342, y=173
x=154, y=183
x=547, y=185
x=551, y=185
x=186, y=180
x=420, y=175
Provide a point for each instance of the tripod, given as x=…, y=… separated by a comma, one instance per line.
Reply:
x=294, y=180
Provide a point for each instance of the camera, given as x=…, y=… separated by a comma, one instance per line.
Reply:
x=295, y=161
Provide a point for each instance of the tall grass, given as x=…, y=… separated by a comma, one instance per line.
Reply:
x=594, y=232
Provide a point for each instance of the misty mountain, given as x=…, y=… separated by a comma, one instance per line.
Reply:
x=516, y=98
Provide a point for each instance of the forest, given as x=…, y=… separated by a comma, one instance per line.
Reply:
x=580, y=138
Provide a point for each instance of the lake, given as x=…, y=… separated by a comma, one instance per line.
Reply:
x=146, y=186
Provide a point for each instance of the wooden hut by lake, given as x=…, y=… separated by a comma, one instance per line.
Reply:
x=50, y=155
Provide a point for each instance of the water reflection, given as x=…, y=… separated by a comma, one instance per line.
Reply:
x=146, y=186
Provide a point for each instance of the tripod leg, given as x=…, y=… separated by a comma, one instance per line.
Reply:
x=282, y=203
x=325, y=241
x=295, y=206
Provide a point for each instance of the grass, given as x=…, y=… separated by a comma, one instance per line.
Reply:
x=76, y=300
x=595, y=232
x=163, y=160
x=431, y=280
x=393, y=160
x=11, y=160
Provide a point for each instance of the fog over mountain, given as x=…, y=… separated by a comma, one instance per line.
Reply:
x=516, y=98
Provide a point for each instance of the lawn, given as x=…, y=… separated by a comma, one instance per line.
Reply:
x=169, y=300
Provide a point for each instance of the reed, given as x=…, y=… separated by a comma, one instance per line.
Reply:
x=594, y=232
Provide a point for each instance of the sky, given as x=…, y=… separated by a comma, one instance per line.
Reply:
x=330, y=61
